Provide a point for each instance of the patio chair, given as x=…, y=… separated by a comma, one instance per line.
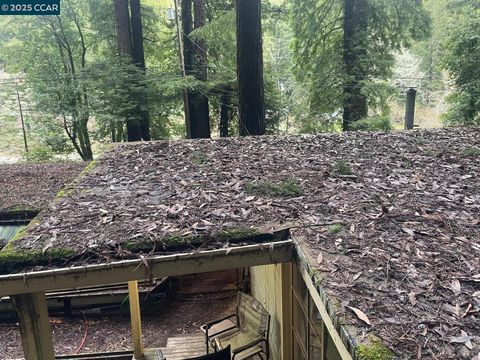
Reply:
x=224, y=354
x=246, y=331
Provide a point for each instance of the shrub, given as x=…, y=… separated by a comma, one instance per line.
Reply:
x=38, y=154
x=374, y=123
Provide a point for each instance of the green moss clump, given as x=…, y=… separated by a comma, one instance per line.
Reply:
x=13, y=260
x=238, y=234
x=198, y=158
x=471, y=151
x=335, y=229
x=287, y=188
x=343, y=168
x=375, y=351
x=437, y=153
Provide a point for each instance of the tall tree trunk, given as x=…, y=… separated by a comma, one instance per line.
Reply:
x=84, y=139
x=225, y=112
x=199, y=117
x=250, y=68
x=122, y=23
x=355, y=42
x=138, y=55
x=188, y=51
x=124, y=37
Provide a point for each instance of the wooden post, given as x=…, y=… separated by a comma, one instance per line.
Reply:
x=136, y=321
x=410, y=109
x=34, y=326
x=287, y=345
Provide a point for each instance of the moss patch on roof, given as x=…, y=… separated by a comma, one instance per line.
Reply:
x=406, y=254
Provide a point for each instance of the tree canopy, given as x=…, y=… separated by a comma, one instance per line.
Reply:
x=324, y=66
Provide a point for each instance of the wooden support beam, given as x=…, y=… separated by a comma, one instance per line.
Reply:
x=287, y=345
x=152, y=267
x=337, y=340
x=135, y=319
x=34, y=326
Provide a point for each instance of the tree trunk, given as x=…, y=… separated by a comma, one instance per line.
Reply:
x=84, y=139
x=122, y=22
x=250, y=68
x=199, y=117
x=187, y=21
x=225, y=112
x=124, y=37
x=355, y=42
x=138, y=55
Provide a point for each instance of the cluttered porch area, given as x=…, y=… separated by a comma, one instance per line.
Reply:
x=172, y=312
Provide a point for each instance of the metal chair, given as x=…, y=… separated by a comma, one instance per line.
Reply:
x=246, y=331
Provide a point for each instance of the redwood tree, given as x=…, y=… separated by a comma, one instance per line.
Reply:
x=137, y=128
x=195, y=59
x=250, y=68
x=355, y=44
x=200, y=119
x=138, y=57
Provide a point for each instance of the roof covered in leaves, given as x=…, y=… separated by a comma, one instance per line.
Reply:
x=391, y=220
x=30, y=187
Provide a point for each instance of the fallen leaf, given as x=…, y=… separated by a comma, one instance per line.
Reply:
x=249, y=198
x=456, y=287
x=409, y=231
x=320, y=258
x=412, y=296
x=463, y=339
x=357, y=275
x=360, y=314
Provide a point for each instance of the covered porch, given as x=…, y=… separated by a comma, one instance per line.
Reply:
x=28, y=293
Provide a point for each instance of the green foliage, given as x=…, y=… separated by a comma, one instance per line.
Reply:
x=318, y=51
x=471, y=151
x=374, y=123
x=39, y=154
x=434, y=152
x=335, y=229
x=343, y=168
x=287, y=188
x=462, y=61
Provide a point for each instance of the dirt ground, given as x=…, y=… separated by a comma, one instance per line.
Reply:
x=112, y=333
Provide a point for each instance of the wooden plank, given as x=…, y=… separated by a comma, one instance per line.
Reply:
x=286, y=323
x=337, y=340
x=34, y=326
x=141, y=269
x=135, y=318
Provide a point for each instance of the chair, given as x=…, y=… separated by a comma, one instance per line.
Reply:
x=246, y=331
x=224, y=354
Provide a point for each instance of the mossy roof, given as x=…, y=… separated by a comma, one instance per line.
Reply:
x=30, y=187
x=391, y=221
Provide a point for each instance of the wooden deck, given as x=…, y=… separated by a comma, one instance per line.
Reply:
x=184, y=347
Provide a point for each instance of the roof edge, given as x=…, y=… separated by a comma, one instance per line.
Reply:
x=146, y=268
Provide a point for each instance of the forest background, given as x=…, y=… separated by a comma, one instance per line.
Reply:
x=66, y=91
